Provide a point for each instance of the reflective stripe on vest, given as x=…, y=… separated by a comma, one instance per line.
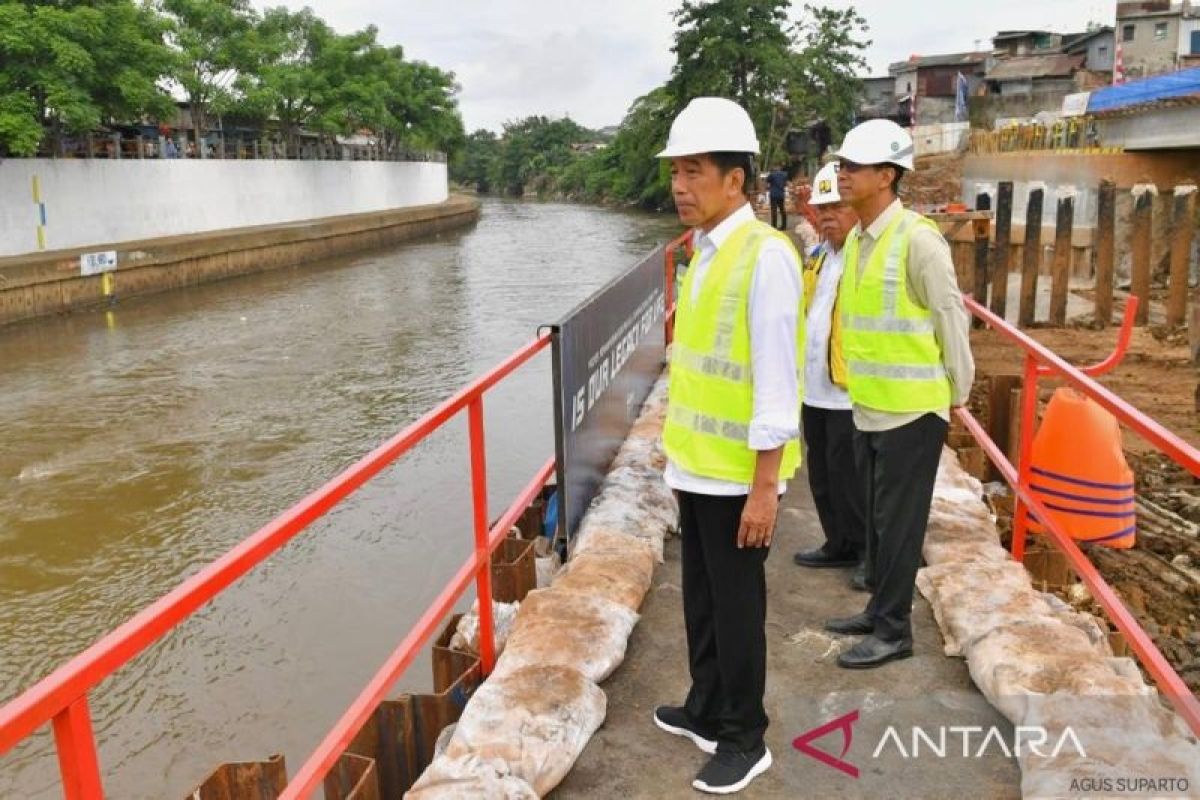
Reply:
x=711, y=393
x=893, y=358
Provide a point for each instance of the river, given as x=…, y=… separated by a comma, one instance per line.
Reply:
x=142, y=442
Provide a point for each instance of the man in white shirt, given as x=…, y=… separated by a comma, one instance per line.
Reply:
x=826, y=417
x=906, y=338
x=731, y=435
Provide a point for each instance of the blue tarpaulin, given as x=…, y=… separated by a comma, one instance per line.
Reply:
x=1183, y=83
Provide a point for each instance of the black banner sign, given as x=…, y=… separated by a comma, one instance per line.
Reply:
x=607, y=354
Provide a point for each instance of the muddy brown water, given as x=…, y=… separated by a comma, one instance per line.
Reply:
x=140, y=444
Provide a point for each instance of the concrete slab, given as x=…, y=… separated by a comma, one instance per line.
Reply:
x=630, y=759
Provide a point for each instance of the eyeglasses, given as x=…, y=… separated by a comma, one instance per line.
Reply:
x=850, y=166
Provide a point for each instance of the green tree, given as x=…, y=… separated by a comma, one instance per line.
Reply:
x=423, y=110
x=533, y=153
x=285, y=83
x=68, y=67
x=213, y=40
x=825, y=82
x=740, y=49
x=476, y=164
x=641, y=177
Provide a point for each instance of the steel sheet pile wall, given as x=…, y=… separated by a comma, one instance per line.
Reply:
x=527, y=724
x=1091, y=718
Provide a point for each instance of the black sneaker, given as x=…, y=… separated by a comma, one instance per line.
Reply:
x=673, y=719
x=726, y=773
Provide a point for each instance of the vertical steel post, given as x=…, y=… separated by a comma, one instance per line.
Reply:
x=77, y=759
x=483, y=553
x=1025, y=453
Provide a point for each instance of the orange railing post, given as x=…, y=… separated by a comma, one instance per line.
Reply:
x=483, y=553
x=1029, y=399
x=77, y=759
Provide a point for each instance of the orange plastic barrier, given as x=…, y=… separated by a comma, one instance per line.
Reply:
x=1079, y=472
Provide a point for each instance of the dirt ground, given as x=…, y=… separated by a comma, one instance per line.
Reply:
x=937, y=180
x=1158, y=579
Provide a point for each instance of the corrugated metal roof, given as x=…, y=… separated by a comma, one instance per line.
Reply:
x=1078, y=40
x=1159, y=90
x=1006, y=35
x=943, y=60
x=1026, y=67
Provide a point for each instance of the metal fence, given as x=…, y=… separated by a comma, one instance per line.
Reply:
x=221, y=146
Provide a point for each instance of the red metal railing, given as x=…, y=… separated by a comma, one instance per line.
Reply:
x=1041, y=362
x=62, y=696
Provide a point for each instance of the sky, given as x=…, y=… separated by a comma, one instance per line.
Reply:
x=590, y=60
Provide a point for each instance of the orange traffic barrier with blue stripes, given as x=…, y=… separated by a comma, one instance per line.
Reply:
x=1080, y=474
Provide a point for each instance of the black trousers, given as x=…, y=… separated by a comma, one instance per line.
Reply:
x=724, y=611
x=833, y=479
x=779, y=206
x=898, y=469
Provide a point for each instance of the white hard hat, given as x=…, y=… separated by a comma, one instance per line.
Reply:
x=878, y=141
x=711, y=125
x=824, y=186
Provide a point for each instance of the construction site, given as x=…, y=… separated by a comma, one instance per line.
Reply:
x=1128, y=216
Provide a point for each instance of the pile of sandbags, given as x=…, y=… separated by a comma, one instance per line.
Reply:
x=522, y=730
x=1092, y=719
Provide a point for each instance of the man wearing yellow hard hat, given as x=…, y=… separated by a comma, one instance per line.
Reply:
x=826, y=418
x=908, y=361
x=731, y=435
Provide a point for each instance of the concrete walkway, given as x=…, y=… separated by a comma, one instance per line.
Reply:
x=629, y=758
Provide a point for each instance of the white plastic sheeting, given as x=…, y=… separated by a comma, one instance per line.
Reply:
x=1046, y=667
x=524, y=727
x=466, y=632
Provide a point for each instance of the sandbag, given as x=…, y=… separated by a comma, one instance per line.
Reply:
x=940, y=551
x=607, y=576
x=528, y=722
x=560, y=628
x=468, y=778
x=1040, y=656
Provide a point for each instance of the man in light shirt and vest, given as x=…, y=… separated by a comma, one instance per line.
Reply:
x=826, y=418
x=731, y=435
x=908, y=362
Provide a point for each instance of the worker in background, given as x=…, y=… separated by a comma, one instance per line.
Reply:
x=908, y=361
x=731, y=434
x=825, y=417
x=806, y=216
x=777, y=186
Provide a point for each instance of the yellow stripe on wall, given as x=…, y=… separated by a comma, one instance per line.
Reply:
x=37, y=189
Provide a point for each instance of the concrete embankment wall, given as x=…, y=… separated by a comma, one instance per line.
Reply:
x=52, y=282
x=54, y=204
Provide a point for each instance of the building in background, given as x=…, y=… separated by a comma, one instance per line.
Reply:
x=878, y=99
x=926, y=86
x=1157, y=36
x=1097, y=46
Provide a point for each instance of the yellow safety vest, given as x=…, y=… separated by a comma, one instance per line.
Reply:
x=835, y=358
x=711, y=393
x=893, y=360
